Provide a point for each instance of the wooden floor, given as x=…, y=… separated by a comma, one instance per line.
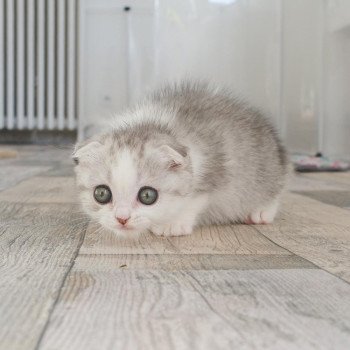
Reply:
x=65, y=284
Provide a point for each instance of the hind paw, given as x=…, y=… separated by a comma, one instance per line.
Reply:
x=262, y=216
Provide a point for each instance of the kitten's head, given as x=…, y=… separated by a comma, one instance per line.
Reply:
x=133, y=178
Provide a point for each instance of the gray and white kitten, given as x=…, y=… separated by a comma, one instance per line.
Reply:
x=187, y=156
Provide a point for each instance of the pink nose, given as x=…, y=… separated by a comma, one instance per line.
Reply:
x=122, y=220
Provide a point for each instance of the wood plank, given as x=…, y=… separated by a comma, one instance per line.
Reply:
x=315, y=231
x=44, y=154
x=7, y=153
x=10, y=175
x=61, y=170
x=38, y=244
x=140, y=309
x=316, y=182
x=234, y=239
x=337, y=198
x=175, y=262
x=336, y=177
x=296, y=208
x=43, y=190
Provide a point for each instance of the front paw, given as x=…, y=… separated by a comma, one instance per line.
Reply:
x=172, y=230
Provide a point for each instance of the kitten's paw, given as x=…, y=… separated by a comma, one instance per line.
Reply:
x=263, y=216
x=172, y=230
x=259, y=217
x=180, y=230
x=159, y=230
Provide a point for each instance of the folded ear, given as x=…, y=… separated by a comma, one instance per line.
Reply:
x=85, y=151
x=174, y=158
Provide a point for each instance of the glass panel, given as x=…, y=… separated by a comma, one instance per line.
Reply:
x=232, y=43
x=337, y=79
x=286, y=57
x=302, y=47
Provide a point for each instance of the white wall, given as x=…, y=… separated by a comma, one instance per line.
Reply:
x=235, y=45
x=316, y=76
x=113, y=66
x=337, y=79
x=302, y=50
x=338, y=14
x=231, y=43
x=287, y=57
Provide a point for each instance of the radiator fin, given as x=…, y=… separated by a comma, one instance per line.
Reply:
x=38, y=64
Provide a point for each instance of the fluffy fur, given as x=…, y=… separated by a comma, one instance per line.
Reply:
x=212, y=158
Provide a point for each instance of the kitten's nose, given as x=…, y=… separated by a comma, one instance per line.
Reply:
x=123, y=221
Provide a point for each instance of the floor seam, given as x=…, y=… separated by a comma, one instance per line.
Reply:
x=303, y=193
x=72, y=263
x=301, y=257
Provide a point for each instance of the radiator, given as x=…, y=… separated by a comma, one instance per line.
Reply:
x=38, y=64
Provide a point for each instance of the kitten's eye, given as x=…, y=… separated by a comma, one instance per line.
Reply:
x=102, y=194
x=147, y=195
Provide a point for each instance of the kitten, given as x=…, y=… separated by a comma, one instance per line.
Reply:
x=187, y=156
